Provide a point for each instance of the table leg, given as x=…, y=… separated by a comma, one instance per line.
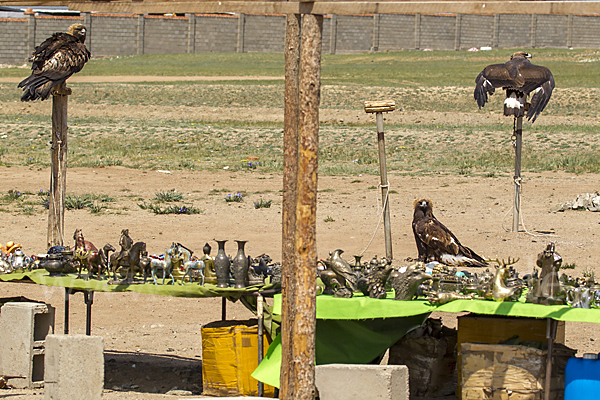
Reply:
x=88, y=297
x=551, y=326
x=223, y=308
x=259, y=315
x=67, y=296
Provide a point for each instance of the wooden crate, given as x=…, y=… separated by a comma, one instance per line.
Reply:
x=505, y=372
x=491, y=329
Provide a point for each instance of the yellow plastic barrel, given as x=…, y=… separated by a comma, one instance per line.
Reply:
x=229, y=356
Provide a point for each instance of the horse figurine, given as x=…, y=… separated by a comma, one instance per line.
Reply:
x=176, y=256
x=82, y=252
x=195, y=265
x=98, y=260
x=155, y=265
x=131, y=261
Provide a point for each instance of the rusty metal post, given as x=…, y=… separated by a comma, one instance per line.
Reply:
x=304, y=306
x=518, y=143
x=58, y=177
x=290, y=178
x=551, y=326
x=379, y=107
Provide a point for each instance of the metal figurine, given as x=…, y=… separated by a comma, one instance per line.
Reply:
x=373, y=285
x=407, y=283
x=500, y=291
x=329, y=279
x=194, y=266
x=547, y=289
x=83, y=252
x=130, y=261
x=345, y=275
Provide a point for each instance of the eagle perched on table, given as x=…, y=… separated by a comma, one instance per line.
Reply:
x=54, y=61
x=435, y=242
x=518, y=77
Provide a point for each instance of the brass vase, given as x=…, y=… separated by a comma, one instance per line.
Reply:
x=222, y=264
x=240, y=266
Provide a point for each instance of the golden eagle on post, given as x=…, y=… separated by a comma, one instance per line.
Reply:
x=435, y=242
x=518, y=77
x=54, y=61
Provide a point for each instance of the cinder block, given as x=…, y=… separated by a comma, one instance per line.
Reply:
x=23, y=330
x=74, y=367
x=359, y=382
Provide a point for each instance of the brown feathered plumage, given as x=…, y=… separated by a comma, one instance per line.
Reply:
x=54, y=61
x=435, y=242
x=518, y=77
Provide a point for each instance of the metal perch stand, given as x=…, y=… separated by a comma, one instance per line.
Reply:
x=518, y=145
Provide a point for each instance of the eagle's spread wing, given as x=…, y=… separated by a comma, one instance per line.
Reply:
x=519, y=75
x=54, y=61
x=540, y=81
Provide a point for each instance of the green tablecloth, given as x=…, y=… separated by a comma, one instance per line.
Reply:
x=356, y=330
x=41, y=277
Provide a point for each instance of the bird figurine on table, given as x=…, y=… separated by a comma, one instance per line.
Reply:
x=54, y=61
x=345, y=276
x=518, y=77
x=406, y=283
x=435, y=242
x=373, y=285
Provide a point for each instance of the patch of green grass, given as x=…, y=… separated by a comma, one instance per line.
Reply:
x=171, y=209
x=234, y=198
x=329, y=219
x=262, y=203
x=168, y=197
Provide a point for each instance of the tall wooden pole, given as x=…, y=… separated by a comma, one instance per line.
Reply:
x=518, y=134
x=58, y=176
x=385, y=187
x=290, y=180
x=304, y=307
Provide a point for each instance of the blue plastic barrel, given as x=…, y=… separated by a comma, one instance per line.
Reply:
x=582, y=377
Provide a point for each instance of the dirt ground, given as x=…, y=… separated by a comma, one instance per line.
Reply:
x=153, y=344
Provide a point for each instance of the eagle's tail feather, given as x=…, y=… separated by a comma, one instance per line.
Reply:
x=514, y=104
x=36, y=87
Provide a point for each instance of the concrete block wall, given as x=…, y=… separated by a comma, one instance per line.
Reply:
x=476, y=31
x=586, y=32
x=216, y=34
x=13, y=37
x=165, y=35
x=112, y=35
x=551, y=30
x=437, y=32
x=396, y=32
x=514, y=30
x=264, y=33
x=354, y=33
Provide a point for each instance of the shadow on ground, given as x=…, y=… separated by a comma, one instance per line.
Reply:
x=151, y=373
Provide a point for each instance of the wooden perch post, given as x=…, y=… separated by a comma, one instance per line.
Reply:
x=58, y=175
x=518, y=143
x=301, y=313
x=290, y=178
x=379, y=107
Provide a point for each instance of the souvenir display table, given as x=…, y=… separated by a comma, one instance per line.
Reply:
x=192, y=290
x=359, y=329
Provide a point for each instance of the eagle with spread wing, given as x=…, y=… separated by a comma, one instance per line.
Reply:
x=54, y=61
x=518, y=77
x=435, y=242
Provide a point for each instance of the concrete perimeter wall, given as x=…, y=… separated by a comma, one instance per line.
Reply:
x=128, y=34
